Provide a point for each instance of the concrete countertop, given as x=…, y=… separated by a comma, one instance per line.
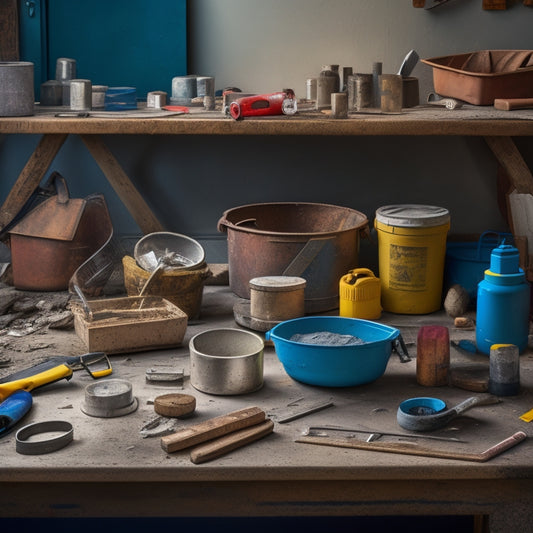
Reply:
x=114, y=450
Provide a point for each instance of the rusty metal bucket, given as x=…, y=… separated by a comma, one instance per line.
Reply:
x=317, y=242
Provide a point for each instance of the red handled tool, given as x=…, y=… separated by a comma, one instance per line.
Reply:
x=280, y=103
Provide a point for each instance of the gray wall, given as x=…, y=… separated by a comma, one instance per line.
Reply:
x=265, y=45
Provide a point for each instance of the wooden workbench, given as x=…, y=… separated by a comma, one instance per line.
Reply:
x=497, y=127
x=110, y=470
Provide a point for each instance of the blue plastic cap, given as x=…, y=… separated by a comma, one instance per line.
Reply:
x=505, y=259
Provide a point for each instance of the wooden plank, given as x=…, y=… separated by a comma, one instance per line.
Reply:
x=9, y=35
x=123, y=186
x=212, y=429
x=31, y=176
x=512, y=162
x=227, y=443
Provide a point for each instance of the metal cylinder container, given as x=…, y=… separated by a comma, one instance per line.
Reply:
x=391, y=91
x=65, y=69
x=226, y=361
x=81, y=95
x=51, y=93
x=16, y=89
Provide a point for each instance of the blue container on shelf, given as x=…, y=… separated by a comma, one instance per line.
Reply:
x=120, y=99
x=503, y=302
x=333, y=365
x=466, y=262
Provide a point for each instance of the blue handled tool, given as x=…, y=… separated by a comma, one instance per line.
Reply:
x=13, y=409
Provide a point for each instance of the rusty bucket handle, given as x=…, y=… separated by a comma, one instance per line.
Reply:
x=61, y=187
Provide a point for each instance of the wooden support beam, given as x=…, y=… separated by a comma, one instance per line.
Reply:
x=122, y=185
x=512, y=162
x=31, y=176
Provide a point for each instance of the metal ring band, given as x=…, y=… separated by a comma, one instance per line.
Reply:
x=26, y=447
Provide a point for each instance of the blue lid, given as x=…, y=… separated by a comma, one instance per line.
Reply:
x=505, y=259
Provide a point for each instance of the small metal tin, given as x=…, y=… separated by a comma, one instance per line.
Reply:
x=310, y=89
x=391, y=91
x=98, y=96
x=65, y=69
x=16, y=89
x=80, y=95
x=205, y=88
x=156, y=99
x=51, y=93
x=339, y=105
x=277, y=298
x=360, y=92
x=109, y=398
x=183, y=89
x=325, y=87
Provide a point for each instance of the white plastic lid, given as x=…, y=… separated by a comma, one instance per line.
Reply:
x=412, y=215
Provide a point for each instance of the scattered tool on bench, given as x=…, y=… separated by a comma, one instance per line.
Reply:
x=407, y=448
x=96, y=364
x=220, y=435
x=421, y=414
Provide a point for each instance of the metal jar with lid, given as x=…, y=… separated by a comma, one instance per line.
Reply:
x=277, y=298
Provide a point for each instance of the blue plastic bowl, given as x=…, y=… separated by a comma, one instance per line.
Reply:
x=333, y=366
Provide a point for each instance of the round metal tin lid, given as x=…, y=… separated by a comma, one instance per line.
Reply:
x=412, y=215
x=277, y=283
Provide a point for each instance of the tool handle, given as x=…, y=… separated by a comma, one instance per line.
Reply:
x=504, y=445
x=212, y=450
x=13, y=409
x=508, y=104
x=33, y=382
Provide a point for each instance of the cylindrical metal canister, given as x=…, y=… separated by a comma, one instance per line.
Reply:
x=325, y=87
x=277, y=298
x=360, y=92
x=339, y=105
x=65, y=69
x=51, y=93
x=81, y=94
x=391, y=93
x=504, y=370
x=16, y=89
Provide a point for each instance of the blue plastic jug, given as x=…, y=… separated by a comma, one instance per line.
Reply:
x=503, y=302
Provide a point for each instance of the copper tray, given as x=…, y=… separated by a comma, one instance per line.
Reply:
x=480, y=77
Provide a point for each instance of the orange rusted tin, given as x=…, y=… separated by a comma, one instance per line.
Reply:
x=55, y=238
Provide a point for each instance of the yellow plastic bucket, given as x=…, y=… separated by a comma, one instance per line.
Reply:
x=411, y=254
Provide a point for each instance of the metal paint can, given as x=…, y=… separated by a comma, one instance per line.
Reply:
x=80, y=95
x=16, y=89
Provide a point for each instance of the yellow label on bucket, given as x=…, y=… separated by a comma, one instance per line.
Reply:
x=408, y=267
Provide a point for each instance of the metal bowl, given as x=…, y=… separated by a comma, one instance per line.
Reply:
x=168, y=249
x=327, y=365
x=226, y=361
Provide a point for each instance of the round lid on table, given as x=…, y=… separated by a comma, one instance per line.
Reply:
x=412, y=215
x=277, y=283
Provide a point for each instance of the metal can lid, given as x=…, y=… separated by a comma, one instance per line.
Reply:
x=412, y=215
x=277, y=283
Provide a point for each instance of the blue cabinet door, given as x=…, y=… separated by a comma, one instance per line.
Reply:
x=135, y=43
